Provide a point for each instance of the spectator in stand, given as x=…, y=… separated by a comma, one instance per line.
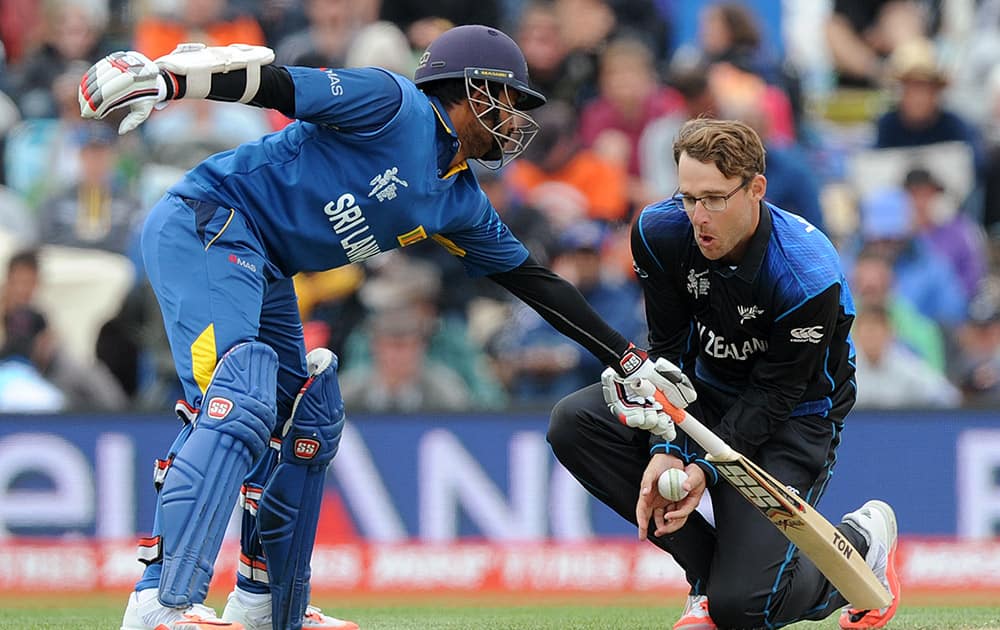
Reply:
x=20, y=23
x=324, y=42
x=791, y=184
x=556, y=157
x=405, y=283
x=17, y=220
x=89, y=387
x=862, y=33
x=648, y=20
x=732, y=44
x=183, y=136
x=537, y=363
x=23, y=389
x=425, y=30
x=890, y=376
x=212, y=22
x=96, y=211
x=329, y=306
x=587, y=28
x=404, y=13
x=43, y=154
x=991, y=193
x=383, y=45
x=736, y=85
x=72, y=31
x=977, y=367
x=21, y=284
x=728, y=33
x=408, y=13
x=872, y=285
x=938, y=220
x=656, y=159
x=631, y=96
x=553, y=70
x=277, y=18
x=408, y=379
x=919, y=117
x=923, y=277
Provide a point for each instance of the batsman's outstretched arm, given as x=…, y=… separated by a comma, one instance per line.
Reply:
x=562, y=305
x=130, y=79
x=357, y=99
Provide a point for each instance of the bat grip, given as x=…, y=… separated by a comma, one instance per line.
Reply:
x=713, y=444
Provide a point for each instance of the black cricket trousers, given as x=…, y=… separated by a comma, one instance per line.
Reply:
x=753, y=576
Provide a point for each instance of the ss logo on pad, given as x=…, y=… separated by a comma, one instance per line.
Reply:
x=305, y=448
x=219, y=408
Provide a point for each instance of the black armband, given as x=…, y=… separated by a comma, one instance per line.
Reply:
x=276, y=91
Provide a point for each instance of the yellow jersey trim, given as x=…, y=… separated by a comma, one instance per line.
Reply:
x=441, y=119
x=225, y=226
x=203, y=357
x=450, y=245
x=461, y=166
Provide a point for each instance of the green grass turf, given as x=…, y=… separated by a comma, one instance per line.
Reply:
x=104, y=613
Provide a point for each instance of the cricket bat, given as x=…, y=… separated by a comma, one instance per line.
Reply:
x=816, y=537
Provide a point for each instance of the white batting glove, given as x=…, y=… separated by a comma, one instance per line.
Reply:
x=123, y=78
x=633, y=403
x=668, y=378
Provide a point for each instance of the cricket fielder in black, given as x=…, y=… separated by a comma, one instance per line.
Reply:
x=749, y=303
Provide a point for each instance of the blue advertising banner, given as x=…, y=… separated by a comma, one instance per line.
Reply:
x=487, y=477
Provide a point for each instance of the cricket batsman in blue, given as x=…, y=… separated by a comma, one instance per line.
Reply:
x=373, y=161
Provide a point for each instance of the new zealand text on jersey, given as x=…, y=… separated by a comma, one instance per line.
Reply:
x=717, y=346
x=346, y=219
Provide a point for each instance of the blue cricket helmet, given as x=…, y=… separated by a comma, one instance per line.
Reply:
x=478, y=52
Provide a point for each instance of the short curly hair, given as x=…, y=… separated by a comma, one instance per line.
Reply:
x=733, y=146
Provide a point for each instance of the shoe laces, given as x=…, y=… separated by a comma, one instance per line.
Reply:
x=164, y=616
x=314, y=613
x=201, y=610
x=697, y=606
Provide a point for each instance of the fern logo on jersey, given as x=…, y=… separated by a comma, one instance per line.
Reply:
x=749, y=312
x=807, y=334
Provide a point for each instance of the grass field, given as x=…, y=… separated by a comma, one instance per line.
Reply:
x=104, y=613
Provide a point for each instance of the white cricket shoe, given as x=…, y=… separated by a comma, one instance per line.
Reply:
x=876, y=521
x=145, y=612
x=258, y=616
x=695, y=616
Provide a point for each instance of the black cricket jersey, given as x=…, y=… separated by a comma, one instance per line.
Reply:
x=773, y=332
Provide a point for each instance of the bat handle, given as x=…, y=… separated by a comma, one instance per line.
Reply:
x=713, y=444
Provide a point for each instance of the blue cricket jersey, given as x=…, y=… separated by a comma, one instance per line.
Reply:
x=773, y=331
x=356, y=175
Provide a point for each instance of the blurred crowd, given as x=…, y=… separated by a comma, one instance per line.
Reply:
x=881, y=120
